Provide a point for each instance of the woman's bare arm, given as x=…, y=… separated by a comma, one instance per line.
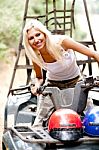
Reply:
x=38, y=79
x=68, y=43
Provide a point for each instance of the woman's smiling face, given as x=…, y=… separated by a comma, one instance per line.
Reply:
x=36, y=38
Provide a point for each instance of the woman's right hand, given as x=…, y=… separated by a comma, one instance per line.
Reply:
x=36, y=86
x=34, y=90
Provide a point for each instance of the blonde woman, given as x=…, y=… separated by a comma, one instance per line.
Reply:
x=55, y=54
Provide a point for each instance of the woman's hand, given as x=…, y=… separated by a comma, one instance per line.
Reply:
x=34, y=90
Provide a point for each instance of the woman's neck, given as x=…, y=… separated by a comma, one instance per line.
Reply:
x=47, y=57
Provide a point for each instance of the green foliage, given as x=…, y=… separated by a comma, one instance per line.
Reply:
x=95, y=8
x=3, y=49
x=11, y=20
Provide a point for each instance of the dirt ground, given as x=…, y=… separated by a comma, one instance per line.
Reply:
x=4, y=83
x=6, y=71
x=5, y=77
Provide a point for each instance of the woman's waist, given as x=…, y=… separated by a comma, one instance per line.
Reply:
x=64, y=81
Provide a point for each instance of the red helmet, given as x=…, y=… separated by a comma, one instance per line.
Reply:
x=65, y=125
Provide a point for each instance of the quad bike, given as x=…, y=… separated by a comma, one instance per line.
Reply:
x=67, y=124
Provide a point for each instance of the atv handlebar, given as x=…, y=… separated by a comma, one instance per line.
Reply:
x=89, y=82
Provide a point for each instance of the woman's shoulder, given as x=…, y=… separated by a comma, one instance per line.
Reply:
x=59, y=38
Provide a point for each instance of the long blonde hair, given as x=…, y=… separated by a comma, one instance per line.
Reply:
x=53, y=48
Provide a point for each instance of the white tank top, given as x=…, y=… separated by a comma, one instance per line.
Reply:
x=63, y=71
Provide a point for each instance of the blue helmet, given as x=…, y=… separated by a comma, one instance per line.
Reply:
x=91, y=122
